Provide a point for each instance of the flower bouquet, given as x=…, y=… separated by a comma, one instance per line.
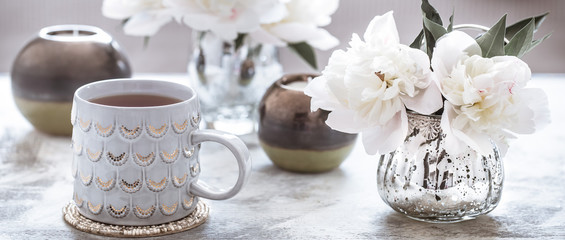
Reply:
x=234, y=57
x=439, y=112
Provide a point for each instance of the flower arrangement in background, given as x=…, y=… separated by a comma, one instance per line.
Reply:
x=478, y=85
x=293, y=23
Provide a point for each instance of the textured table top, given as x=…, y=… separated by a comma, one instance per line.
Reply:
x=36, y=182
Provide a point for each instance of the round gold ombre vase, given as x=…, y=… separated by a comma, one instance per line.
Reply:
x=295, y=138
x=60, y=59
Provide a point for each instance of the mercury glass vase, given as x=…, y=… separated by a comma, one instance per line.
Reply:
x=422, y=181
x=230, y=78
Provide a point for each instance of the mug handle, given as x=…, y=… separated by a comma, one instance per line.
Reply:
x=241, y=153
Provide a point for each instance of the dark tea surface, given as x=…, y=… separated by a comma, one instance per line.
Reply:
x=135, y=100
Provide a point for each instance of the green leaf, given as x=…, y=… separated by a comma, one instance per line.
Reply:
x=435, y=29
x=432, y=32
x=516, y=27
x=492, y=42
x=417, y=43
x=431, y=13
x=239, y=40
x=521, y=41
x=433, y=26
x=450, y=26
x=535, y=43
x=306, y=52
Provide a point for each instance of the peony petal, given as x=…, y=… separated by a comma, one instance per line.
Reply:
x=246, y=21
x=145, y=24
x=263, y=36
x=387, y=138
x=225, y=30
x=199, y=22
x=323, y=41
x=321, y=96
x=457, y=140
x=345, y=120
x=453, y=145
x=323, y=8
x=427, y=101
x=382, y=31
x=120, y=9
x=270, y=11
x=294, y=32
x=450, y=48
x=533, y=111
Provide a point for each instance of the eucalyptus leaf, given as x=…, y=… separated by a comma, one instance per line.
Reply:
x=431, y=13
x=417, y=43
x=521, y=41
x=435, y=29
x=516, y=27
x=306, y=52
x=450, y=26
x=433, y=26
x=432, y=32
x=492, y=42
x=535, y=43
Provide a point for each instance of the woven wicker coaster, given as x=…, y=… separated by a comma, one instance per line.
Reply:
x=75, y=219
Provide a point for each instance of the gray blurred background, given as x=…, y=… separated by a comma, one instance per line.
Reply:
x=169, y=49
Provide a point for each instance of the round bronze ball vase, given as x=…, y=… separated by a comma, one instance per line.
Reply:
x=48, y=70
x=295, y=138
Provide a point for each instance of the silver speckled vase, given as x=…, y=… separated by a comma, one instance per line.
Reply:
x=422, y=181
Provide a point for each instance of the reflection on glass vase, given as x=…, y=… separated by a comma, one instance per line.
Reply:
x=421, y=180
x=230, y=78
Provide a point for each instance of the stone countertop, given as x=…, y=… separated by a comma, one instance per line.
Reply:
x=36, y=182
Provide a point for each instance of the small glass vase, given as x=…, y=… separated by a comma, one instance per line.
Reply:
x=230, y=81
x=422, y=181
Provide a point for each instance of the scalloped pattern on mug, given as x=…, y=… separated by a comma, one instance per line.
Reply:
x=180, y=128
x=168, y=210
x=117, y=160
x=186, y=204
x=105, y=185
x=130, y=187
x=144, y=161
x=93, y=156
x=118, y=213
x=78, y=201
x=157, y=186
x=130, y=133
x=77, y=148
x=104, y=131
x=179, y=182
x=85, y=179
x=84, y=125
x=94, y=209
x=157, y=132
x=143, y=213
x=169, y=157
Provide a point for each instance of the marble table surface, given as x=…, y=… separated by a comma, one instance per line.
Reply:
x=36, y=182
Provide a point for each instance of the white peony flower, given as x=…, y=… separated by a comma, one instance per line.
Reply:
x=146, y=17
x=368, y=87
x=227, y=18
x=301, y=24
x=485, y=97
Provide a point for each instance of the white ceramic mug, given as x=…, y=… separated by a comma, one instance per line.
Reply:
x=140, y=165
